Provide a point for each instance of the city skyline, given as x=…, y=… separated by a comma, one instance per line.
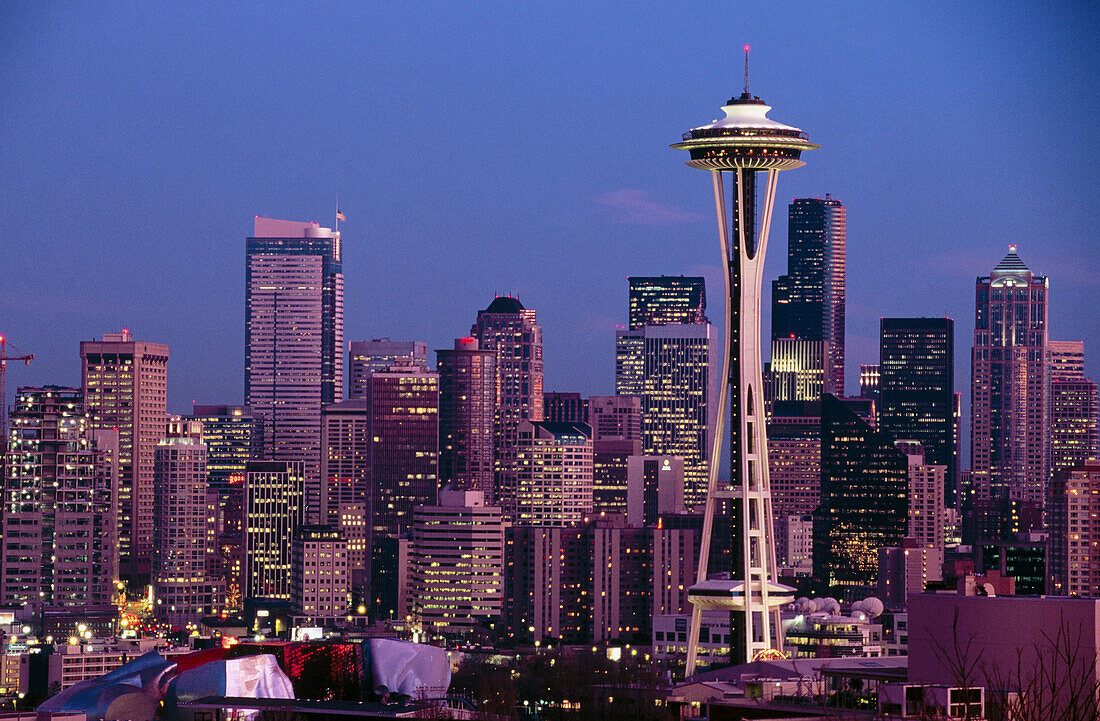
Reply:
x=592, y=233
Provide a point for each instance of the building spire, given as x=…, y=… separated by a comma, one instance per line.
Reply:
x=746, y=70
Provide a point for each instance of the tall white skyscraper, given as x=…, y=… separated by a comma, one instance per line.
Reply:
x=294, y=336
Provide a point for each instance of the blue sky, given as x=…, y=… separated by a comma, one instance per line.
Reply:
x=484, y=148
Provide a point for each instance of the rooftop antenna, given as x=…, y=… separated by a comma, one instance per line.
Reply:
x=746, y=70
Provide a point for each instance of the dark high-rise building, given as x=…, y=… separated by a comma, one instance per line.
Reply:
x=808, y=302
x=610, y=474
x=917, y=389
x=294, y=338
x=232, y=437
x=864, y=501
x=869, y=377
x=667, y=299
x=467, y=403
x=59, y=482
x=273, y=493
x=794, y=462
x=564, y=407
x=513, y=333
x=370, y=356
x=403, y=413
x=1010, y=384
x=125, y=385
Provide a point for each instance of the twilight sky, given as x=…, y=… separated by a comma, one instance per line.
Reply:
x=481, y=148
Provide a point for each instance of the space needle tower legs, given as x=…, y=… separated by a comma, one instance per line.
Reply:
x=742, y=144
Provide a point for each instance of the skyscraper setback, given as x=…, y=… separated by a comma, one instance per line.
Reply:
x=125, y=386
x=1009, y=393
x=808, y=302
x=294, y=337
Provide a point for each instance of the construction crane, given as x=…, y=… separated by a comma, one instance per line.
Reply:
x=4, y=358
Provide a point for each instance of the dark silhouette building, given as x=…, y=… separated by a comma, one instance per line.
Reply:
x=917, y=391
x=564, y=407
x=467, y=404
x=864, y=501
x=1010, y=377
x=808, y=302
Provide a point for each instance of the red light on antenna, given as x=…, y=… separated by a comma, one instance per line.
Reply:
x=746, y=48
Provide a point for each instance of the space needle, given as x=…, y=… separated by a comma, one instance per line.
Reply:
x=740, y=145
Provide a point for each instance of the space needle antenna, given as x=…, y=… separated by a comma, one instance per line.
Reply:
x=746, y=70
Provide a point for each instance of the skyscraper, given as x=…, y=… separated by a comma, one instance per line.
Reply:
x=513, y=333
x=403, y=412
x=319, y=573
x=456, y=563
x=808, y=302
x=864, y=501
x=677, y=380
x=184, y=531
x=798, y=369
x=616, y=423
x=467, y=404
x=59, y=484
x=794, y=464
x=917, y=389
x=232, y=437
x=1073, y=562
x=667, y=299
x=554, y=473
x=273, y=493
x=125, y=386
x=346, y=473
x=1074, y=405
x=564, y=407
x=368, y=356
x=294, y=339
x=1009, y=393
x=737, y=147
